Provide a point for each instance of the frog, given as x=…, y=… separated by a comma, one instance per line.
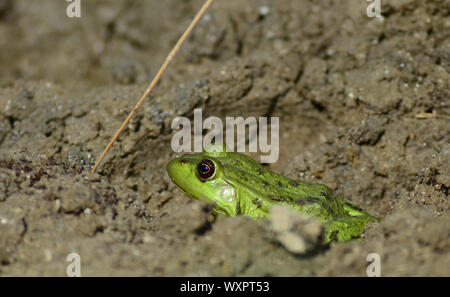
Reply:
x=235, y=184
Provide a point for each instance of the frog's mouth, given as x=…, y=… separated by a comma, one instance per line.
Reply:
x=190, y=196
x=217, y=208
x=182, y=190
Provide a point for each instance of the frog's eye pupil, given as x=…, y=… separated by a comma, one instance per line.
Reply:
x=206, y=169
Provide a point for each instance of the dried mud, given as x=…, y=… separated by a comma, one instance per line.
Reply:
x=363, y=106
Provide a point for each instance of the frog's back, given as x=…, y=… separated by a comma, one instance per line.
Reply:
x=268, y=188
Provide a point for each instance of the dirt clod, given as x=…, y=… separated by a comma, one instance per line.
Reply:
x=363, y=106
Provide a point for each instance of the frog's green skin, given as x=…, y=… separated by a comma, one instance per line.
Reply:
x=243, y=186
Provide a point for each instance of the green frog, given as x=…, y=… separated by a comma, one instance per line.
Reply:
x=238, y=185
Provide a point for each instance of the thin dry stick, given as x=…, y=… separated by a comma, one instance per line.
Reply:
x=155, y=79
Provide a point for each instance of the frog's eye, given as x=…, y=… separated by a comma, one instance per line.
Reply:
x=206, y=170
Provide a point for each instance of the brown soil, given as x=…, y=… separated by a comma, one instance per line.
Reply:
x=363, y=106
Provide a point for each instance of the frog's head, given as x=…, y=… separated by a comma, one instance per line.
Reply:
x=200, y=177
